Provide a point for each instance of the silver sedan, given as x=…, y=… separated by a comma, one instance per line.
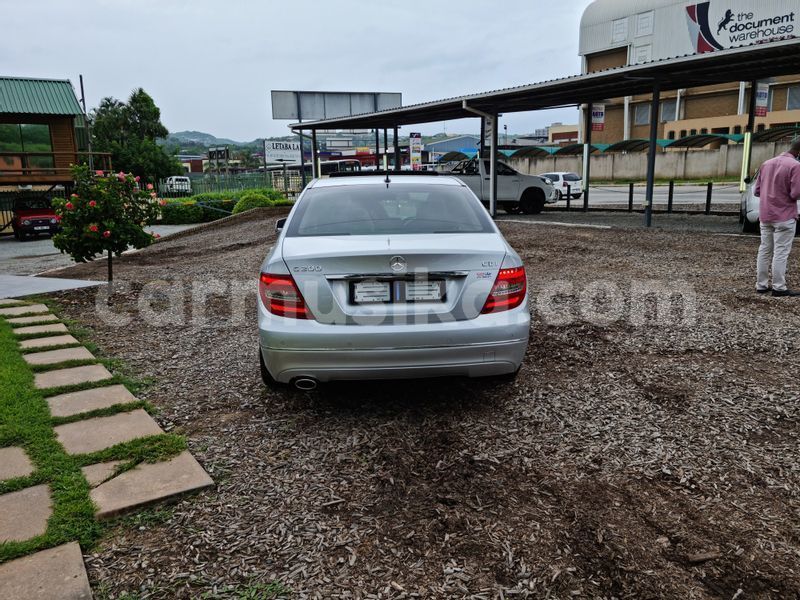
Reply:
x=376, y=277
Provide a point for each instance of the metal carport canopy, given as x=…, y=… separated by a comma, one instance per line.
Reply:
x=747, y=63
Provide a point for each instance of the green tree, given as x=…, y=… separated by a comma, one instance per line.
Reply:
x=129, y=132
x=105, y=214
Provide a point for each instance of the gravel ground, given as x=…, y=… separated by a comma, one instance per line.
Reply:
x=636, y=458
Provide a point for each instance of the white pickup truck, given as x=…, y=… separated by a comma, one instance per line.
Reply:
x=516, y=193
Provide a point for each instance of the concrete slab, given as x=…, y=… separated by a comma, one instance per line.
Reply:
x=14, y=463
x=52, y=357
x=58, y=340
x=149, y=483
x=98, y=473
x=15, y=286
x=54, y=574
x=11, y=311
x=72, y=376
x=45, y=318
x=24, y=514
x=91, y=435
x=52, y=328
x=9, y=301
x=74, y=403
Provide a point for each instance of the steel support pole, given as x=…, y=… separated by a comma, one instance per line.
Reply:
x=385, y=149
x=748, y=137
x=302, y=160
x=377, y=147
x=671, y=197
x=651, y=154
x=314, y=157
x=396, y=149
x=482, y=145
x=587, y=150
x=493, y=174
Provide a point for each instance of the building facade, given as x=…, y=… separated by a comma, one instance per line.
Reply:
x=616, y=33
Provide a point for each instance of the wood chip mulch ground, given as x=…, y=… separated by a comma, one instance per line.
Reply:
x=655, y=460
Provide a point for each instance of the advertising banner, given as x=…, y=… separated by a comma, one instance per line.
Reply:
x=415, y=151
x=598, y=117
x=762, y=99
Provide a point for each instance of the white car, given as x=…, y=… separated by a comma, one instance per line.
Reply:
x=566, y=183
x=390, y=277
x=749, y=215
x=177, y=185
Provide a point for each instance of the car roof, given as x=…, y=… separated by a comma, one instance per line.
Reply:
x=381, y=179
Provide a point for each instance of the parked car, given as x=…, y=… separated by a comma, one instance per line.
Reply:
x=749, y=209
x=376, y=277
x=566, y=182
x=177, y=185
x=515, y=192
x=34, y=216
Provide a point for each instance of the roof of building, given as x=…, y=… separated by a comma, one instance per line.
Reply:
x=473, y=138
x=603, y=11
x=744, y=63
x=22, y=95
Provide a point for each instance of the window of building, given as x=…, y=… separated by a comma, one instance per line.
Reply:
x=641, y=114
x=693, y=132
x=703, y=131
x=761, y=127
x=29, y=138
x=793, y=98
x=619, y=31
x=671, y=135
x=669, y=110
x=683, y=133
x=737, y=129
x=644, y=23
x=642, y=54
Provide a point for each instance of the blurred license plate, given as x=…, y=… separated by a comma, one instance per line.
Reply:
x=371, y=291
x=424, y=291
x=41, y=228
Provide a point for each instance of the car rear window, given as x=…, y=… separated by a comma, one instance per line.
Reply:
x=572, y=177
x=382, y=209
x=551, y=176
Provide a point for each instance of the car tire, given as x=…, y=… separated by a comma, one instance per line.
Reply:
x=576, y=196
x=16, y=235
x=269, y=381
x=532, y=201
x=559, y=195
x=511, y=208
x=748, y=227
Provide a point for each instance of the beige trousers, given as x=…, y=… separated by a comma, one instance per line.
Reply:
x=776, y=244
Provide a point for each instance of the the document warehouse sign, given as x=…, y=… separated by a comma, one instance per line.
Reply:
x=716, y=25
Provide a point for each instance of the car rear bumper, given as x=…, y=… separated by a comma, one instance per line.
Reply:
x=484, y=346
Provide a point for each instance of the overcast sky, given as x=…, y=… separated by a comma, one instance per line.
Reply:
x=210, y=65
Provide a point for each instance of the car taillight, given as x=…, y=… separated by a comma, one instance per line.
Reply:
x=280, y=296
x=507, y=292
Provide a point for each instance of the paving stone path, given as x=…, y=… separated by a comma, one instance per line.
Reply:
x=59, y=573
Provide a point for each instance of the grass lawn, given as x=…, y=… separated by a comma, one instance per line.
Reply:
x=25, y=421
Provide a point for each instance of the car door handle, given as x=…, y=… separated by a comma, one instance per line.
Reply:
x=487, y=178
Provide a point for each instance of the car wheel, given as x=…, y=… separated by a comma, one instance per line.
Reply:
x=577, y=196
x=511, y=208
x=16, y=235
x=748, y=227
x=532, y=202
x=269, y=381
x=559, y=195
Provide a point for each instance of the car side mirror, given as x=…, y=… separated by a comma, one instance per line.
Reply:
x=279, y=224
x=748, y=179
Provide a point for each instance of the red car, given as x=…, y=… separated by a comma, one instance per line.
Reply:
x=33, y=216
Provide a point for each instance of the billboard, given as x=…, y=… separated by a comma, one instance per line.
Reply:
x=314, y=106
x=598, y=117
x=415, y=150
x=279, y=152
x=716, y=25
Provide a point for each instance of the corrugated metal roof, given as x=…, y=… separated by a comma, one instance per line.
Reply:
x=38, y=96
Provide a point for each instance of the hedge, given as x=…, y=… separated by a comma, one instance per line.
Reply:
x=203, y=208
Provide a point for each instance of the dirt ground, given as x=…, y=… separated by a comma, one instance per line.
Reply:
x=640, y=457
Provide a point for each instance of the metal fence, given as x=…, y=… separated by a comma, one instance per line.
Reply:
x=290, y=185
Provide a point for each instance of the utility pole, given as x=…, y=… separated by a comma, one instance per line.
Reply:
x=87, y=125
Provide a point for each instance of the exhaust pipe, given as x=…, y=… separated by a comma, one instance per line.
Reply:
x=305, y=384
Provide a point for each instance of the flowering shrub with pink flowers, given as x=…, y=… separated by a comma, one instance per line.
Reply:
x=105, y=214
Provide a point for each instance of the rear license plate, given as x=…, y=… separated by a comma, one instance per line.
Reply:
x=365, y=292
x=41, y=228
x=424, y=291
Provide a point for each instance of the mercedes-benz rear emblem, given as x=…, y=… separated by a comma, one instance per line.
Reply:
x=397, y=263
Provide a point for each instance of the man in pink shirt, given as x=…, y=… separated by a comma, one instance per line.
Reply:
x=778, y=188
